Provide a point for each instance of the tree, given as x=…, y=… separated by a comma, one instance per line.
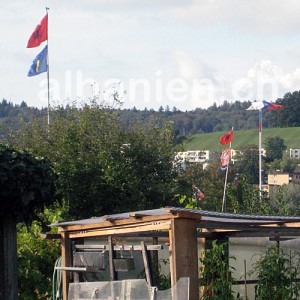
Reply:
x=274, y=148
x=248, y=163
x=104, y=168
x=243, y=197
x=26, y=186
x=289, y=115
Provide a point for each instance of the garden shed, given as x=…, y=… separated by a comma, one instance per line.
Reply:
x=182, y=233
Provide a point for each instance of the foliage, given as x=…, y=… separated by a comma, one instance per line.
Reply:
x=96, y=158
x=210, y=181
x=289, y=115
x=288, y=164
x=26, y=187
x=243, y=197
x=186, y=123
x=285, y=200
x=26, y=183
x=274, y=148
x=36, y=257
x=216, y=273
x=248, y=163
x=277, y=273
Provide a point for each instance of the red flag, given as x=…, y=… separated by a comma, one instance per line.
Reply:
x=225, y=157
x=226, y=138
x=198, y=194
x=273, y=106
x=40, y=34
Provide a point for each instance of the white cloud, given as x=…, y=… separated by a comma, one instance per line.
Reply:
x=266, y=80
x=256, y=16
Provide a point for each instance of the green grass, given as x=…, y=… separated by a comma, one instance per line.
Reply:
x=210, y=141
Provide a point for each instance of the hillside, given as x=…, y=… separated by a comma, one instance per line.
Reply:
x=210, y=141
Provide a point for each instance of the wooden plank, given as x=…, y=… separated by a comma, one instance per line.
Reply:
x=184, y=214
x=137, y=215
x=146, y=264
x=122, y=230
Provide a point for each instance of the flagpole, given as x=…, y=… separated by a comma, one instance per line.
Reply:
x=225, y=185
x=48, y=76
x=259, y=147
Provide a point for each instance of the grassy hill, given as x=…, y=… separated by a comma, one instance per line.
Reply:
x=210, y=141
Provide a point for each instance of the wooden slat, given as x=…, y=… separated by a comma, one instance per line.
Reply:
x=117, y=248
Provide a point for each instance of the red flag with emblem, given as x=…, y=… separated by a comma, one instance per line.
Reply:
x=40, y=34
x=226, y=138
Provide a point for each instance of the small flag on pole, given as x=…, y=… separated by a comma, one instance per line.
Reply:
x=40, y=34
x=198, y=194
x=39, y=64
x=225, y=157
x=226, y=138
x=257, y=105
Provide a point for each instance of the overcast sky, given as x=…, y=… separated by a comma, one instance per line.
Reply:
x=183, y=53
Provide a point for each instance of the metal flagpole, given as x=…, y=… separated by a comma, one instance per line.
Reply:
x=225, y=185
x=48, y=80
x=259, y=147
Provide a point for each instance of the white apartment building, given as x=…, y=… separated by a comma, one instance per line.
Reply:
x=196, y=156
x=294, y=153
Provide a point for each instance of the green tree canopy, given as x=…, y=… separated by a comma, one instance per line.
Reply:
x=248, y=163
x=26, y=183
x=26, y=186
x=275, y=147
x=104, y=168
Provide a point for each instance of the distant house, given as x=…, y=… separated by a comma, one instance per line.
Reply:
x=279, y=178
x=296, y=175
x=294, y=153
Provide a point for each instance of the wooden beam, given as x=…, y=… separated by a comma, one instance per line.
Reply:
x=161, y=225
x=112, y=274
x=146, y=264
x=66, y=262
x=184, y=254
x=117, y=222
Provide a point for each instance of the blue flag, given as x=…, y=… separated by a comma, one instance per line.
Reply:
x=39, y=64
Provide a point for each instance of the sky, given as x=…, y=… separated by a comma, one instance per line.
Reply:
x=186, y=54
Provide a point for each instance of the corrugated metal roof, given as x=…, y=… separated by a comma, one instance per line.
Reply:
x=206, y=216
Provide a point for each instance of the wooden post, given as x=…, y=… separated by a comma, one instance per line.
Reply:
x=184, y=254
x=66, y=253
x=146, y=264
x=8, y=258
x=112, y=273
